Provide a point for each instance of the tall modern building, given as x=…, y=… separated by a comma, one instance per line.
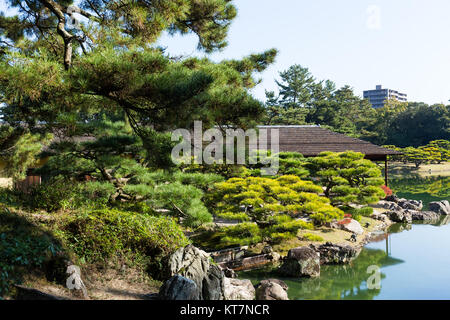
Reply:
x=378, y=96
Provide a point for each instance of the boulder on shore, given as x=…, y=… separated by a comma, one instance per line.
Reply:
x=277, y=281
x=301, y=262
x=379, y=216
x=440, y=207
x=410, y=204
x=235, y=289
x=271, y=290
x=424, y=215
x=400, y=216
x=179, y=288
x=353, y=226
x=336, y=253
x=195, y=264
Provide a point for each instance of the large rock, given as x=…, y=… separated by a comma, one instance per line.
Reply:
x=301, y=262
x=195, y=264
x=440, y=207
x=271, y=290
x=379, y=216
x=179, y=288
x=235, y=289
x=336, y=253
x=75, y=283
x=393, y=206
x=424, y=215
x=353, y=226
x=229, y=273
x=281, y=283
x=400, y=216
x=213, y=284
x=410, y=204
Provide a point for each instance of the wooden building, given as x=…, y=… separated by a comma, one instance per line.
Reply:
x=312, y=140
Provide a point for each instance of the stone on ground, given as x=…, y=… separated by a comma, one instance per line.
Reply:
x=331, y=253
x=195, y=264
x=179, y=288
x=235, y=289
x=353, y=226
x=271, y=290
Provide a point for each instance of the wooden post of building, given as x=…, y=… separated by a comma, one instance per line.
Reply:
x=387, y=244
x=386, y=171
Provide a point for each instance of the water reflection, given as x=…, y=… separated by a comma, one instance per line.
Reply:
x=344, y=282
x=427, y=189
x=336, y=282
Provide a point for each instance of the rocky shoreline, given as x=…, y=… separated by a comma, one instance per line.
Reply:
x=193, y=274
x=199, y=275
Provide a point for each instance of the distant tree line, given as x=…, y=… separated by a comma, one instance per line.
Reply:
x=301, y=99
x=437, y=151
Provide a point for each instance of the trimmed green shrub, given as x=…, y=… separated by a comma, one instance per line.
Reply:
x=242, y=234
x=111, y=235
x=203, y=181
x=261, y=199
x=347, y=177
x=271, y=209
x=182, y=201
x=312, y=237
x=284, y=227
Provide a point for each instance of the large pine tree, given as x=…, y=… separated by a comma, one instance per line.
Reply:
x=58, y=74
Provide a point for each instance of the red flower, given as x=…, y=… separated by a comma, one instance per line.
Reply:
x=387, y=191
x=345, y=221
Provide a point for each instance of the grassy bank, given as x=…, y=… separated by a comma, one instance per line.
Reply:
x=118, y=253
x=398, y=169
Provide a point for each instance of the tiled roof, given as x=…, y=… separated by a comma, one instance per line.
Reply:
x=312, y=140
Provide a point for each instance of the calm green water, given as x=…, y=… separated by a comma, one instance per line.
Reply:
x=414, y=260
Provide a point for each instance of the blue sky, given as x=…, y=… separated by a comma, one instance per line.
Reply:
x=401, y=44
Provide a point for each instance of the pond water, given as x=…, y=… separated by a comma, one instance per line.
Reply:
x=414, y=260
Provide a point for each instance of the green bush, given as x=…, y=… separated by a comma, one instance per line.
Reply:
x=62, y=194
x=51, y=196
x=182, y=201
x=241, y=234
x=93, y=194
x=357, y=213
x=261, y=199
x=347, y=178
x=312, y=237
x=111, y=235
x=284, y=228
x=203, y=181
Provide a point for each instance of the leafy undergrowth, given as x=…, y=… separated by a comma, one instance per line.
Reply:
x=102, y=242
x=25, y=248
